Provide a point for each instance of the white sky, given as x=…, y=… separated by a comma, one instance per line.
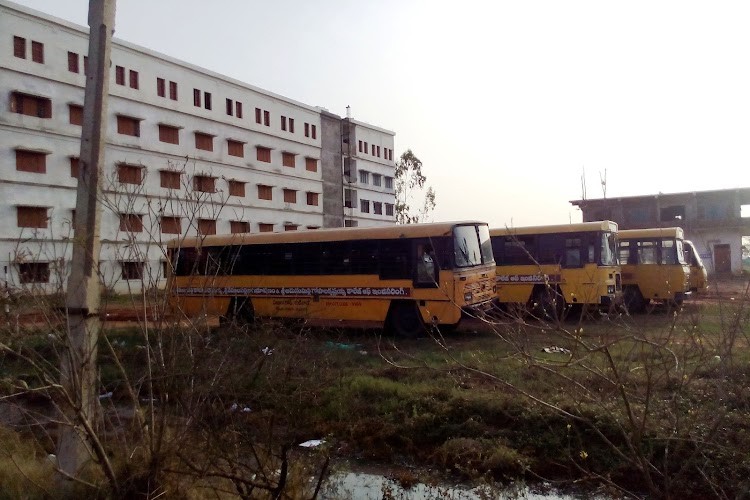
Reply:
x=505, y=102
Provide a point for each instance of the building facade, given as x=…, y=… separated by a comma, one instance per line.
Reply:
x=188, y=152
x=716, y=221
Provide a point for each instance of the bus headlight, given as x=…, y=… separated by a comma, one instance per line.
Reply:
x=468, y=296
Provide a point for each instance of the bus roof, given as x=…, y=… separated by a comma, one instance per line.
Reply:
x=654, y=232
x=330, y=234
x=604, y=225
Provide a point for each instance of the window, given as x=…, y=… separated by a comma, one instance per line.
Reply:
x=204, y=141
x=389, y=209
x=129, y=174
x=376, y=179
x=73, y=62
x=263, y=154
x=361, y=149
x=35, y=217
x=37, y=52
x=170, y=225
x=132, y=270
x=312, y=199
x=390, y=154
x=173, y=90
x=31, y=105
x=307, y=130
x=74, y=167
x=204, y=183
x=265, y=192
x=266, y=118
x=311, y=164
x=206, y=227
x=377, y=207
x=196, y=98
x=207, y=100
x=33, y=272
x=287, y=159
x=131, y=223
x=31, y=161
x=388, y=182
x=236, y=148
x=291, y=125
x=230, y=107
x=239, y=226
x=283, y=123
x=350, y=223
x=290, y=196
x=290, y=227
x=314, y=132
x=169, y=134
x=133, y=79
x=367, y=150
x=119, y=75
x=75, y=114
x=257, y=115
x=19, y=47
x=170, y=179
x=161, y=87
x=237, y=188
x=364, y=206
x=128, y=125
x=364, y=176
x=85, y=65
x=265, y=228
x=350, y=198
x=238, y=109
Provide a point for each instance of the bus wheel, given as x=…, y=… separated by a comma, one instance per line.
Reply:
x=633, y=299
x=240, y=312
x=548, y=304
x=405, y=321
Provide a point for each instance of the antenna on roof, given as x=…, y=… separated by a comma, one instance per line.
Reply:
x=603, y=180
x=583, y=183
x=348, y=111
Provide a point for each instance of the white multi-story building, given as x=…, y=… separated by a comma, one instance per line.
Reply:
x=188, y=152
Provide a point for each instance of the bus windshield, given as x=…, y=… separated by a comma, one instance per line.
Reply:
x=608, y=250
x=468, y=250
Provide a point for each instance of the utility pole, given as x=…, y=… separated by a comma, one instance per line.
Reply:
x=78, y=366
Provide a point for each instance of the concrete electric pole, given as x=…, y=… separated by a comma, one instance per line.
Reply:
x=78, y=367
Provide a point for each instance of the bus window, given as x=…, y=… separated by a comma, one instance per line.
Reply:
x=572, y=252
x=608, y=250
x=485, y=244
x=425, y=265
x=466, y=249
x=668, y=255
x=394, y=261
x=518, y=250
x=647, y=252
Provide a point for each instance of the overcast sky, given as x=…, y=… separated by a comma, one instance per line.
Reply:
x=505, y=102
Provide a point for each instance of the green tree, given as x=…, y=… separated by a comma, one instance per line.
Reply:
x=410, y=186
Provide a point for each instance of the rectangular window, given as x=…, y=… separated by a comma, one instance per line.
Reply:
x=364, y=176
x=237, y=188
x=33, y=272
x=35, y=217
x=169, y=179
x=236, y=148
x=257, y=115
x=230, y=107
x=170, y=225
x=31, y=161
x=129, y=174
x=389, y=209
x=161, y=87
x=314, y=132
x=311, y=164
x=206, y=227
x=290, y=196
x=127, y=125
x=367, y=150
x=204, y=184
x=238, y=109
x=266, y=118
x=239, y=226
x=133, y=79
x=263, y=154
x=361, y=149
x=283, y=123
x=377, y=208
x=350, y=223
x=75, y=114
x=85, y=65
x=19, y=47
x=290, y=227
x=287, y=159
x=132, y=223
x=30, y=105
x=73, y=62
x=132, y=270
x=376, y=179
x=265, y=228
x=74, y=167
x=207, y=100
x=312, y=199
x=119, y=75
x=169, y=134
x=389, y=182
x=350, y=198
x=364, y=206
x=291, y=125
x=307, y=130
x=196, y=98
x=204, y=141
x=173, y=90
x=265, y=192
x=37, y=52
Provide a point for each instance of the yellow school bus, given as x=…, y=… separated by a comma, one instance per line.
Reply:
x=698, y=274
x=553, y=268
x=403, y=277
x=653, y=266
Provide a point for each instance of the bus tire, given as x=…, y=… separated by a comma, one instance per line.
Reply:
x=633, y=300
x=404, y=320
x=240, y=312
x=548, y=303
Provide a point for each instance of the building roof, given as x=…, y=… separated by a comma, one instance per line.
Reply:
x=743, y=192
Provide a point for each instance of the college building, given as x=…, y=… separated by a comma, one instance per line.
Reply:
x=715, y=221
x=189, y=152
